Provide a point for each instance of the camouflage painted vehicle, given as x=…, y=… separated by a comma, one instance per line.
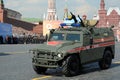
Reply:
x=70, y=48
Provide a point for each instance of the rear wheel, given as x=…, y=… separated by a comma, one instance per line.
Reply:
x=105, y=62
x=71, y=66
x=39, y=70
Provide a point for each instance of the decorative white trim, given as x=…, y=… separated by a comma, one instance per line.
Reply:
x=96, y=17
x=52, y=10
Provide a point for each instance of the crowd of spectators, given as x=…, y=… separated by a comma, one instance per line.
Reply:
x=21, y=39
x=21, y=36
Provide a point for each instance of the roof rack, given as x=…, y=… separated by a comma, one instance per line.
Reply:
x=71, y=29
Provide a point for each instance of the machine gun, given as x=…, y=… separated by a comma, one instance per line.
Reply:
x=81, y=21
x=73, y=17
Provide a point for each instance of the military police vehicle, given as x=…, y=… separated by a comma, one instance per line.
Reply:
x=70, y=48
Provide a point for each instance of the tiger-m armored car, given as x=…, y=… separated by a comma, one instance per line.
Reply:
x=70, y=48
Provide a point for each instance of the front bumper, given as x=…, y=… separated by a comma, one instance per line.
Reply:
x=48, y=63
x=45, y=58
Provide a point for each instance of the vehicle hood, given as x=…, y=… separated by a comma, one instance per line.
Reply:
x=56, y=46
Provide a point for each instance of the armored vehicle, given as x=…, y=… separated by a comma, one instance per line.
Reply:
x=70, y=48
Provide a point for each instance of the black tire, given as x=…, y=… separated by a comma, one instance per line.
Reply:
x=71, y=66
x=106, y=61
x=39, y=70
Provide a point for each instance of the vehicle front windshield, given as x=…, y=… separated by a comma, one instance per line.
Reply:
x=57, y=37
x=61, y=36
x=73, y=37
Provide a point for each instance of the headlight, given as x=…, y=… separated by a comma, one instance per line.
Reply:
x=59, y=55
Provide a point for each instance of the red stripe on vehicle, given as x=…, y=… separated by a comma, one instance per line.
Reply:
x=103, y=39
x=92, y=46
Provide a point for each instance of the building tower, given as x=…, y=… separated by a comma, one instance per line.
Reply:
x=1, y=10
x=102, y=5
x=102, y=15
x=51, y=13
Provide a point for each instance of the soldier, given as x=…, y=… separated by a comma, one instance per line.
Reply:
x=85, y=21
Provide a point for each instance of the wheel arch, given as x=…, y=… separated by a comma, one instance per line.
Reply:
x=77, y=54
x=61, y=61
x=111, y=50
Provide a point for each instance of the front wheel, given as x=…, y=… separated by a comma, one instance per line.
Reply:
x=71, y=66
x=39, y=69
x=105, y=62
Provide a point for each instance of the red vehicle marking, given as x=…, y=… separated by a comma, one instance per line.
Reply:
x=93, y=46
x=54, y=43
x=103, y=39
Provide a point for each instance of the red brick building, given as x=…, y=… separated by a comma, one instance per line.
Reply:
x=109, y=17
x=19, y=26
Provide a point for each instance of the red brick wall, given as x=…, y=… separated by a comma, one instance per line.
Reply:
x=1, y=15
x=38, y=29
x=113, y=18
x=19, y=23
x=102, y=18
